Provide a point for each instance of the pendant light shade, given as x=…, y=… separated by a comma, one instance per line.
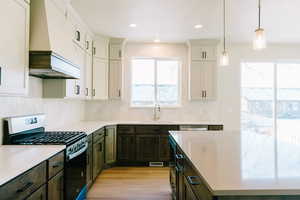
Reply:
x=259, y=41
x=224, y=58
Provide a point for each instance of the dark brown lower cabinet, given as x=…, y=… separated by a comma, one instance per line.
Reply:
x=164, y=148
x=98, y=157
x=126, y=148
x=40, y=194
x=56, y=187
x=147, y=147
x=89, y=164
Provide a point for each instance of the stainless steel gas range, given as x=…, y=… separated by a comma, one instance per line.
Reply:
x=30, y=130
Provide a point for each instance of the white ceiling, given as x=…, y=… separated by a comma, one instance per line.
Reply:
x=174, y=20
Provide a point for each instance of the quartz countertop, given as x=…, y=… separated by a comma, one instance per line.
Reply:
x=234, y=163
x=92, y=126
x=17, y=159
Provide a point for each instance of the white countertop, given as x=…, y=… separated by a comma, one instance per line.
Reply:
x=92, y=126
x=17, y=159
x=234, y=163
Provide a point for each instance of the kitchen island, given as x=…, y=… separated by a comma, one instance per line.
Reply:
x=235, y=166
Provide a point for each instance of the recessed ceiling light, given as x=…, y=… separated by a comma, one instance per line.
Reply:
x=157, y=40
x=132, y=25
x=198, y=26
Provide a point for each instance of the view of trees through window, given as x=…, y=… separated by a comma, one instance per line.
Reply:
x=155, y=81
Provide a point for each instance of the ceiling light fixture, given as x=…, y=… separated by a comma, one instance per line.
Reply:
x=132, y=25
x=259, y=41
x=157, y=40
x=224, y=59
x=198, y=26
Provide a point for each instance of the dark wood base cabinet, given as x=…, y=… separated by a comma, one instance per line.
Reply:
x=98, y=152
x=56, y=187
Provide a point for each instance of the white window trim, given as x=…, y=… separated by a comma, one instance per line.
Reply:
x=179, y=104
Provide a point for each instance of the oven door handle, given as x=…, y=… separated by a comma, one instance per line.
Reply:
x=77, y=153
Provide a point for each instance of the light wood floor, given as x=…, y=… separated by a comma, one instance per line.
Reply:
x=132, y=183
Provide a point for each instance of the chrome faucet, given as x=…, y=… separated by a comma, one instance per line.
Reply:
x=156, y=112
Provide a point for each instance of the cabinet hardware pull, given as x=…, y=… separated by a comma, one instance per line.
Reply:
x=25, y=187
x=77, y=92
x=205, y=54
x=205, y=93
x=94, y=50
x=119, y=92
x=202, y=54
x=94, y=92
x=78, y=36
x=86, y=91
x=193, y=180
x=120, y=53
x=87, y=44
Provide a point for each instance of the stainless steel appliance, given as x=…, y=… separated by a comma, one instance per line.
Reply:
x=30, y=130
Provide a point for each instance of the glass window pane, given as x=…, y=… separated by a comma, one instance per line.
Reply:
x=143, y=81
x=288, y=118
x=167, y=82
x=257, y=98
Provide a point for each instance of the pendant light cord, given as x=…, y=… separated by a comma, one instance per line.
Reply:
x=259, y=13
x=224, y=28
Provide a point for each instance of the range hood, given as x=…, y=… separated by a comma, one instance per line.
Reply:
x=49, y=65
x=52, y=54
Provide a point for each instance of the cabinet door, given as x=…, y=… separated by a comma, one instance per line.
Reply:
x=56, y=187
x=88, y=76
x=115, y=51
x=100, y=47
x=89, y=166
x=80, y=55
x=187, y=192
x=164, y=148
x=40, y=194
x=102, y=154
x=202, y=80
x=110, y=145
x=89, y=44
x=147, y=147
x=115, y=79
x=96, y=160
x=14, y=53
x=126, y=148
x=78, y=31
x=100, y=79
x=203, y=53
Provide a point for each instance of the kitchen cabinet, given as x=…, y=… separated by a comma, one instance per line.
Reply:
x=100, y=79
x=115, y=79
x=203, y=73
x=89, y=165
x=126, y=148
x=56, y=187
x=88, y=76
x=110, y=144
x=164, y=148
x=98, y=152
x=203, y=80
x=101, y=47
x=115, y=51
x=147, y=148
x=40, y=194
x=188, y=193
x=14, y=42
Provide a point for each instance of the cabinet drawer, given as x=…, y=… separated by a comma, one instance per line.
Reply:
x=40, y=194
x=55, y=164
x=124, y=129
x=25, y=184
x=148, y=129
x=98, y=135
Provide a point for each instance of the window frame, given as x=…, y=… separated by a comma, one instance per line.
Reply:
x=156, y=59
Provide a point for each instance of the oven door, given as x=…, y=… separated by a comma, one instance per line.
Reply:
x=75, y=177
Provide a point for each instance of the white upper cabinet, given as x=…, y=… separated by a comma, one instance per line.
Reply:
x=89, y=44
x=203, y=73
x=14, y=49
x=100, y=79
x=101, y=47
x=88, y=76
x=115, y=51
x=115, y=79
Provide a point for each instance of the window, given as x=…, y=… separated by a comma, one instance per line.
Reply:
x=155, y=81
x=270, y=104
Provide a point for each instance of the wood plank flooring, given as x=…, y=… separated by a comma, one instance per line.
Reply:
x=132, y=183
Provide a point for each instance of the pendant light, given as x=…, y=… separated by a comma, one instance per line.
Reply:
x=224, y=59
x=259, y=41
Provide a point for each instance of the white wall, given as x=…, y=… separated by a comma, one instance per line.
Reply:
x=59, y=112
x=225, y=110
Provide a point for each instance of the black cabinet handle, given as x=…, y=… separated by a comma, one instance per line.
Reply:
x=87, y=44
x=94, y=51
x=193, y=180
x=58, y=164
x=25, y=187
x=78, y=36
x=86, y=91
x=77, y=92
